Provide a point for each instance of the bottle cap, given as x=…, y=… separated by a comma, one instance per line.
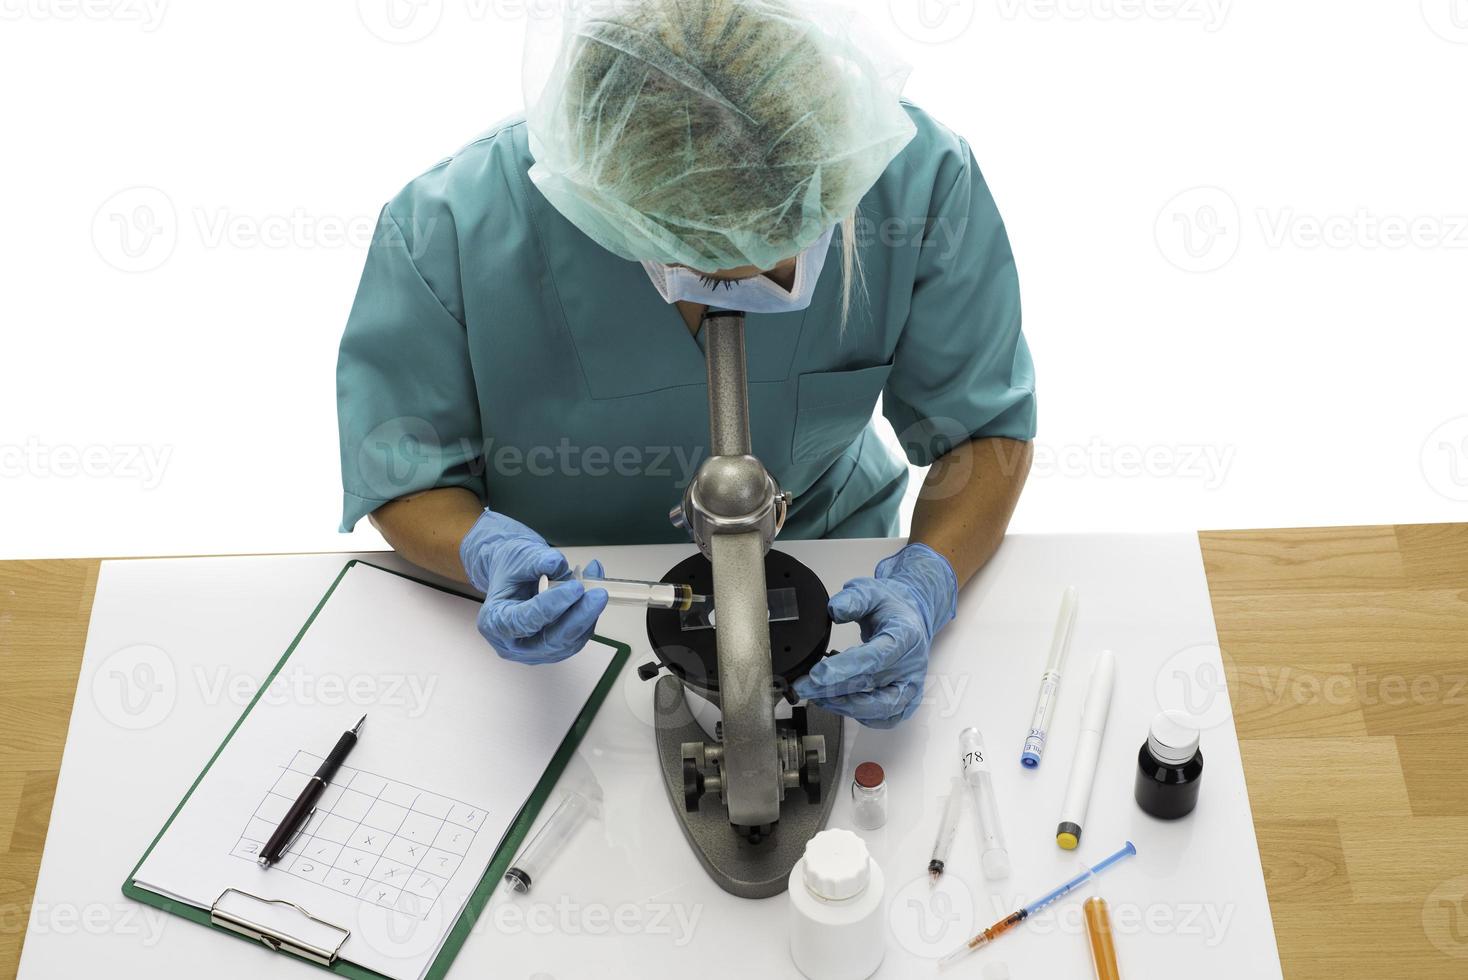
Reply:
x=836, y=865
x=869, y=775
x=1173, y=739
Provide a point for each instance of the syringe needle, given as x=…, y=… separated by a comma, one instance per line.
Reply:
x=984, y=938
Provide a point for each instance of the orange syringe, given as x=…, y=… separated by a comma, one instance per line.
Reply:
x=1009, y=922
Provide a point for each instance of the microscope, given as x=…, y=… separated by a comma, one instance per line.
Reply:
x=750, y=775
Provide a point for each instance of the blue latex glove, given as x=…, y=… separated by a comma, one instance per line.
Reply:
x=505, y=560
x=879, y=682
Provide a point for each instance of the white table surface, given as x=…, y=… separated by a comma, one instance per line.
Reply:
x=177, y=646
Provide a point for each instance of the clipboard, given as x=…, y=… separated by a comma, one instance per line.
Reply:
x=259, y=919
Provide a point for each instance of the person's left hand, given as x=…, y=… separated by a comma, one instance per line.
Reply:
x=879, y=682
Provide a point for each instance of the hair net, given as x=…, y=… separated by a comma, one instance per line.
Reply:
x=710, y=133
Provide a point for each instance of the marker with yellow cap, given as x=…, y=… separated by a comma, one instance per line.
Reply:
x=1088, y=752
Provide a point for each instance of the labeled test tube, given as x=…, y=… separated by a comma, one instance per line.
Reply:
x=634, y=592
x=975, y=766
x=550, y=840
x=1103, y=950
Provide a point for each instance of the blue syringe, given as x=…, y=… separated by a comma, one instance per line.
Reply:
x=1009, y=922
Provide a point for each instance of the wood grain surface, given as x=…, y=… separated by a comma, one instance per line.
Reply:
x=1346, y=655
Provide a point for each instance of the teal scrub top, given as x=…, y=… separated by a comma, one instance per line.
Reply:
x=494, y=346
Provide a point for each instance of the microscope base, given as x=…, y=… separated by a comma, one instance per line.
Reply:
x=737, y=866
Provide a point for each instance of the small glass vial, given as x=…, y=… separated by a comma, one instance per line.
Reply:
x=869, y=797
x=1170, y=767
x=837, y=930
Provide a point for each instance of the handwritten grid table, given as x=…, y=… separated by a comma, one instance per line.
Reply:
x=373, y=838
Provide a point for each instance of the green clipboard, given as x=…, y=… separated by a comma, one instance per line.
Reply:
x=508, y=847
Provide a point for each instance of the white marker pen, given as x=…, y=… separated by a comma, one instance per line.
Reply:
x=1050, y=682
x=1088, y=752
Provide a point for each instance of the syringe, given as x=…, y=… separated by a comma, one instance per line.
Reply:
x=632, y=592
x=551, y=839
x=947, y=828
x=1004, y=925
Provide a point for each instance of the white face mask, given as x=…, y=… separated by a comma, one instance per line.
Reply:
x=757, y=294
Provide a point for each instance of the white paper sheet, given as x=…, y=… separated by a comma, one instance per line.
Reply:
x=453, y=744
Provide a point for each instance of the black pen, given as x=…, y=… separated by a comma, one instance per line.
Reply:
x=305, y=805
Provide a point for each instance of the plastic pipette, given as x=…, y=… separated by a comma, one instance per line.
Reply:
x=1050, y=682
x=1004, y=925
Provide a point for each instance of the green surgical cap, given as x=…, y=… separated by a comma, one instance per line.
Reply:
x=710, y=133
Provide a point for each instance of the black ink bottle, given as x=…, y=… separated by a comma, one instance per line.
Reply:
x=1170, y=767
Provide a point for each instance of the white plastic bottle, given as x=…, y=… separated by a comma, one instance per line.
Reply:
x=835, y=909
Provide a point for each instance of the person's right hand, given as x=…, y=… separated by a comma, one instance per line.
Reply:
x=504, y=559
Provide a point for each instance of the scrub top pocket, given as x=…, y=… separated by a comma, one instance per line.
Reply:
x=832, y=409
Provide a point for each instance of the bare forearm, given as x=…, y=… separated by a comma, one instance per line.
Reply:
x=426, y=528
x=967, y=500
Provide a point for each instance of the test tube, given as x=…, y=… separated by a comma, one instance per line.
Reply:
x=975, y=765
x=633, y=592
x=550, y=840
x=1103, y=950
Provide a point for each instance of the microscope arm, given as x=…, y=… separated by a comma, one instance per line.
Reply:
x=734, y=510
x=750, y=763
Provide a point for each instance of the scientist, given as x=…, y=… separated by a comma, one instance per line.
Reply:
x=523, y=367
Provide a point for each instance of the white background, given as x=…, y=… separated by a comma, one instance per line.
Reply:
x=1242, y=229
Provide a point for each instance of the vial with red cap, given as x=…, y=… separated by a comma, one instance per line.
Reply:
x=869, y=796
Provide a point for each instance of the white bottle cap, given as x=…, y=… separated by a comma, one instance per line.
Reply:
x=836, y=865
x=1173, y=739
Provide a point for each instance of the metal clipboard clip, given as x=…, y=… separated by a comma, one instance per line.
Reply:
x=273, y=936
